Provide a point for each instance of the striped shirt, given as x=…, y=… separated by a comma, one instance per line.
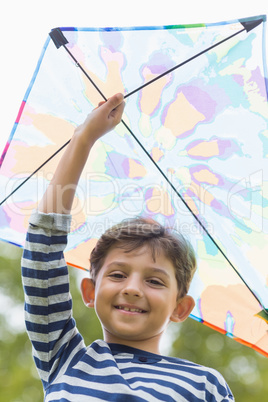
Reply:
x=69, y=370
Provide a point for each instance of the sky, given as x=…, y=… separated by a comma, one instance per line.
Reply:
x=25, y=26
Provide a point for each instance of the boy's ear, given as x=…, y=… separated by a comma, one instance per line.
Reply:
x=183, y=309
x=88, y=291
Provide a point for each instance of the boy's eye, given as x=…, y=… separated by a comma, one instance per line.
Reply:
x=156, y=282
x=116, y=275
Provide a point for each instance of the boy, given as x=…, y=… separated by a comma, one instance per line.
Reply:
x=140, y=274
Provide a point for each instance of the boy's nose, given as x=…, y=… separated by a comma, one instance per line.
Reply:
x=132, y=287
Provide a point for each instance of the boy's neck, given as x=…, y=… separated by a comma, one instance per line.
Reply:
x=148, y=345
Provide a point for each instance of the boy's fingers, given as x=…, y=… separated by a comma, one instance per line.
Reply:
x=114, y=101
x=101, y=103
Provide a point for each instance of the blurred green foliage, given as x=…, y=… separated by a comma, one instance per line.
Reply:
x=245, y=370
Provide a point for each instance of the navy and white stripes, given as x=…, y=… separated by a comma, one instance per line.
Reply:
x=100, y=372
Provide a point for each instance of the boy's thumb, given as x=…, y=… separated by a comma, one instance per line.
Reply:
x=115, y=101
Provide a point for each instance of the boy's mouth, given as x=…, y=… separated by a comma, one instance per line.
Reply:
x=131, y=309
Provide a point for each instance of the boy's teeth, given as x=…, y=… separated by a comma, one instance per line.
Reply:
x=130, y=309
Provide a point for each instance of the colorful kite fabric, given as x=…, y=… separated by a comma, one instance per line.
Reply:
x=202, y=122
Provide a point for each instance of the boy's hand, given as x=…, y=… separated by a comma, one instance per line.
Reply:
x=102, y=119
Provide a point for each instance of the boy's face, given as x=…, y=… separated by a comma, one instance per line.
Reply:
x=136, y=297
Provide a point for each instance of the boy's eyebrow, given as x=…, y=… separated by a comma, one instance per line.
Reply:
x=154, y=269
x=118, y=263
x=161, y=271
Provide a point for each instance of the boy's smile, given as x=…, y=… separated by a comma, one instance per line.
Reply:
x=130, y=309
x=136, y=297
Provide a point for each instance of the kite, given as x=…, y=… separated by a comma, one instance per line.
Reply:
x=190, y=152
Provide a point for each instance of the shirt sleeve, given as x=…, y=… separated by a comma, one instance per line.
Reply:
x=217, y=388
x=48, y=303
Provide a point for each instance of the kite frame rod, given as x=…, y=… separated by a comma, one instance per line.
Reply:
x=33, y=173
x=182, y=64
x=248, y=26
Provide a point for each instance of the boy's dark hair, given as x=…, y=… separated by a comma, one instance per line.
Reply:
x=134, y=233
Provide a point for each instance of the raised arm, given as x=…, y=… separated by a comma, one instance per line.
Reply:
x=59, y=195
